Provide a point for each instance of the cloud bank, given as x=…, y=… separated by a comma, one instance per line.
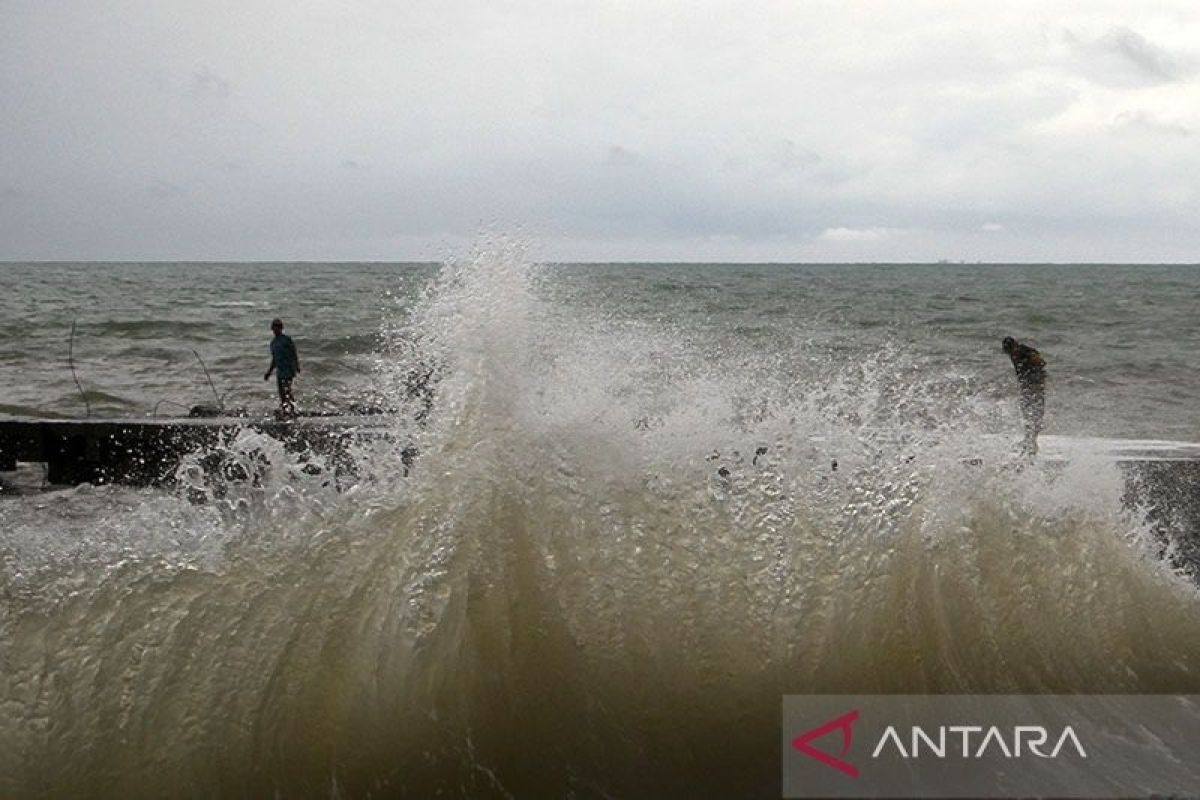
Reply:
x=611, y=131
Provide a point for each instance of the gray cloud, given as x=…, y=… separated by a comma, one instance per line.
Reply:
x=618, y=156
x=208, y=85
x=1152, y=60
x=1140, y=120
x=164, y=190
x=790, y=156
x=673, y=130
x=1122, y=55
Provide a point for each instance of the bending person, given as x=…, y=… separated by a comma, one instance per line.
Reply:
x=1031, y=377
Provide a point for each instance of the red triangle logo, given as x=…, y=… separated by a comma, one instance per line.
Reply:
x=844, y=723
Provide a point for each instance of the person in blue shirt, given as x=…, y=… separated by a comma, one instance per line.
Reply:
x=285, y=363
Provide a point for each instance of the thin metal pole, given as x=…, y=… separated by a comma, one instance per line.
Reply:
x=208, y=377
x=71, y=364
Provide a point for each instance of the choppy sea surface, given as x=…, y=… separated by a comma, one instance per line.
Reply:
x=1122, y=343
x=566, y=597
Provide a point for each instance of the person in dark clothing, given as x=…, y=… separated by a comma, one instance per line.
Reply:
x=1031, y=377
x=285, y=363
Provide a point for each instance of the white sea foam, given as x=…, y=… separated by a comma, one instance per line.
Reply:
x=592, y=582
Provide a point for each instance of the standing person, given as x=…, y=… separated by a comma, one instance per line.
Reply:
x=285, y=363
x=1031, y=376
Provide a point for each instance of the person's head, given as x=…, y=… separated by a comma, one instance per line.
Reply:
x=1009, y=344
x=277, y=326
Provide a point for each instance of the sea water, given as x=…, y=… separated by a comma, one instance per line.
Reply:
x=650, y=500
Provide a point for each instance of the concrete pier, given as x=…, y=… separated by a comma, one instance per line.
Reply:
x=146, y=452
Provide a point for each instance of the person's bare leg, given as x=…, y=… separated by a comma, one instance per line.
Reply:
x=287, y=403
x=1033, y=409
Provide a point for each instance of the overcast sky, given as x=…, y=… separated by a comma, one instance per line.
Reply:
x=690, y=130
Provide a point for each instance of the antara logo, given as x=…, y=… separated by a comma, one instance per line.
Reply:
x=946, y=741
x=976, y=741
x=844, y=723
